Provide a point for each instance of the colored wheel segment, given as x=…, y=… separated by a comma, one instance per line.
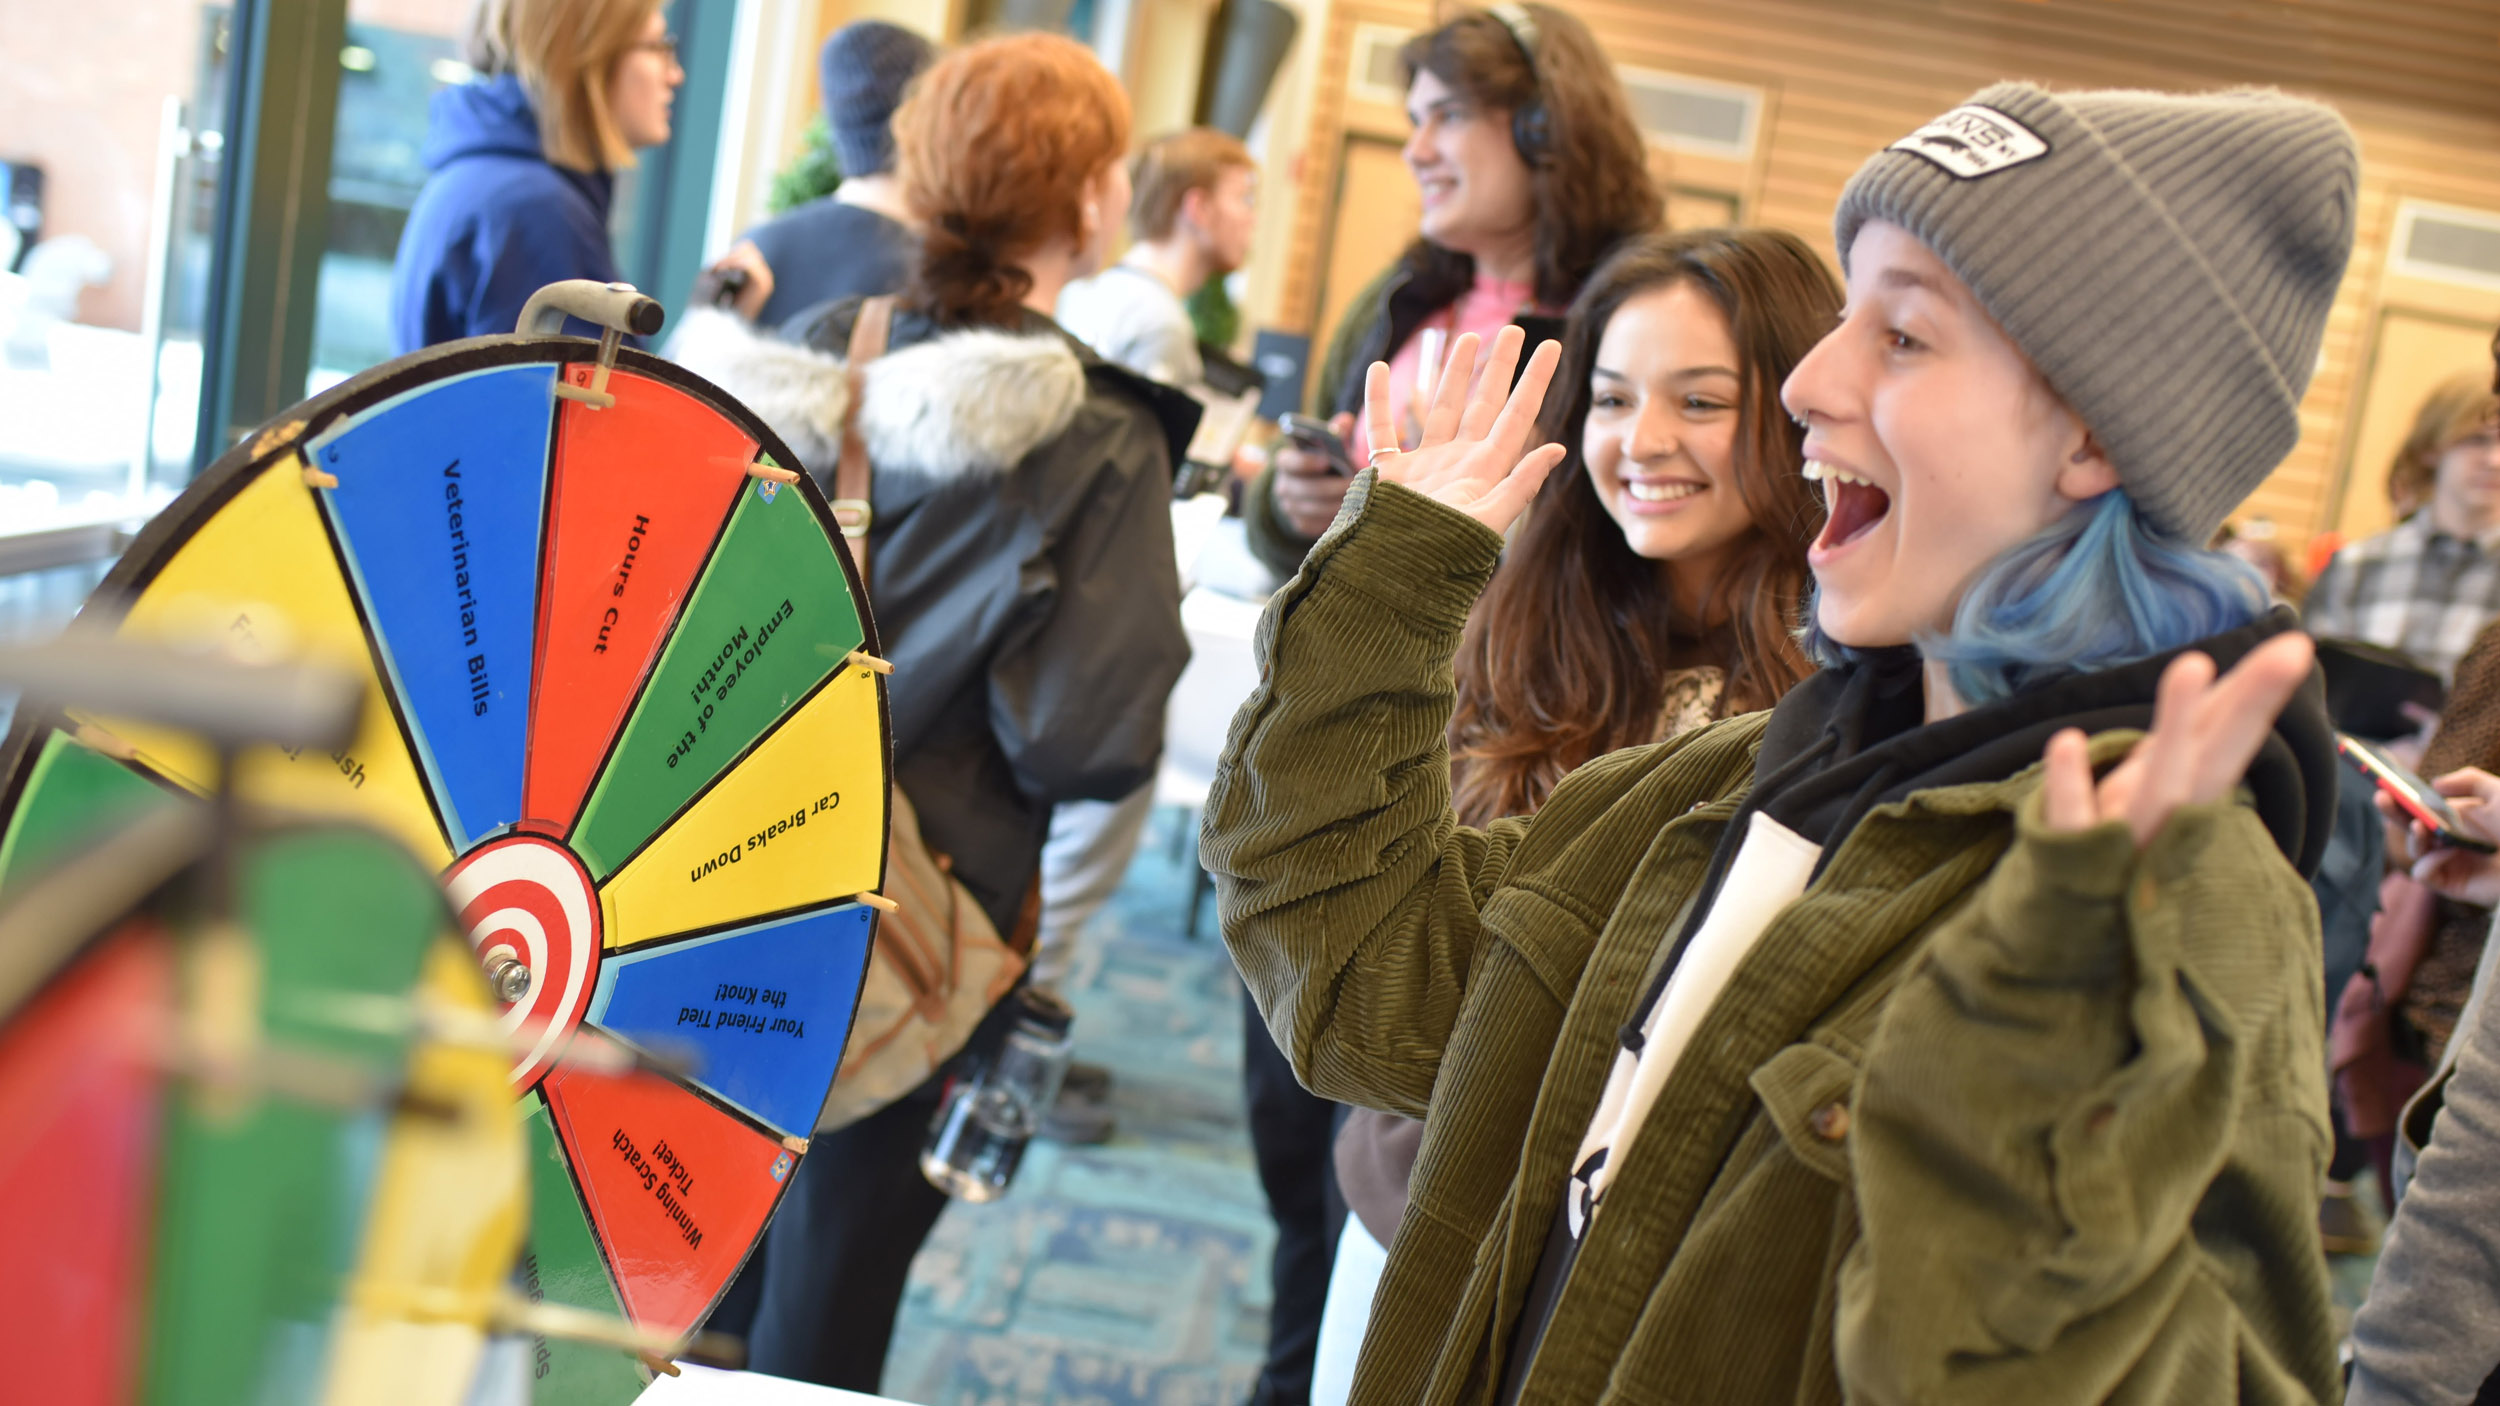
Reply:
x=742, y=1002
x=677, y=1189
x=801, y=822
x=770, y=619
x=83, y=1106
x=613, y=703
x=72, y=795
x=450, y=1202
x=259, y=1230
x=321, y=1217
x=258, y=579
x=640, y=491
x=563, y=1265
x=436, y=510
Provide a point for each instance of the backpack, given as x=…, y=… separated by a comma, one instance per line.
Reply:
x=938, y=964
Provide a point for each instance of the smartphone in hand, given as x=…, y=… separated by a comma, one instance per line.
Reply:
x=1314, y=437
x=2414, y=796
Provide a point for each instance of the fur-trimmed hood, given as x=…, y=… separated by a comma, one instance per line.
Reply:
x=974, y=401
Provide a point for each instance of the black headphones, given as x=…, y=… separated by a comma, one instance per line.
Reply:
x=1530, y=129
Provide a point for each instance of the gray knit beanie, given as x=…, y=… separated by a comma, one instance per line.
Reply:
x=862, y=72
x=2165, y=260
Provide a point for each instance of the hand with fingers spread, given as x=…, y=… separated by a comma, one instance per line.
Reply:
x=2468, y=876
x=1474, y=453
x=2205, y=732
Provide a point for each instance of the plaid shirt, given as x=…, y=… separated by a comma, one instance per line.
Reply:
x=2412, y=588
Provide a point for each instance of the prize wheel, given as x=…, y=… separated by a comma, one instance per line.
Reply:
x=171, y=1238
x=622, y=696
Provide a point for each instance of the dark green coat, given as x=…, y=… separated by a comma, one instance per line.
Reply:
x=1990, y=1115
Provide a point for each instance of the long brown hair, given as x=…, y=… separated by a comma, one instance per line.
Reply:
x=1591, y=184
x=1564, y=657
x=995, y=144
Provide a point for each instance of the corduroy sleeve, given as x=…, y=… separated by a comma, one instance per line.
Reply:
x=2089, y=1130
x=1350, y=894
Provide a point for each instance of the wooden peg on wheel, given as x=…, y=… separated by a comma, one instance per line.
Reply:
x=617, y=308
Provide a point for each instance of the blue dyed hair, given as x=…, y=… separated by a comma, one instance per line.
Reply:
x=2098, y=588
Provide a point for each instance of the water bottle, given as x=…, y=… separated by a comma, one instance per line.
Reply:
x=981, y=1130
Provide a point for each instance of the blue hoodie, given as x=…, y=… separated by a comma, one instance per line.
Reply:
x=496, y=221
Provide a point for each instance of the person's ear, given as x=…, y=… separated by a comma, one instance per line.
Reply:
x=2087, y=472
x=1193, y=211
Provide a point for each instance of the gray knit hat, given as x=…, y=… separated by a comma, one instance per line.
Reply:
x=862, y=72
x=2165, y=260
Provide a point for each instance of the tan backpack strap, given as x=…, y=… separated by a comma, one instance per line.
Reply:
x=869, y=331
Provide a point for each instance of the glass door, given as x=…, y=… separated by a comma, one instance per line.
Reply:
x=398, y=55
x=111, y=176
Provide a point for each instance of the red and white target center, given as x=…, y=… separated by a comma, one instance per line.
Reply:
x=531, y=915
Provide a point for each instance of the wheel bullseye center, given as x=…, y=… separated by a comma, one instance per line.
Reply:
x=530, y=913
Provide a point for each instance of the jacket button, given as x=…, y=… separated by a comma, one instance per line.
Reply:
x=1830, y=1122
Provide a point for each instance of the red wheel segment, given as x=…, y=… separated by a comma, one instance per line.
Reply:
x=640, y=492
x=678, y=1190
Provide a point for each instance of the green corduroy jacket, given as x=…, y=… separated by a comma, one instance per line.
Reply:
x=1989, y=1115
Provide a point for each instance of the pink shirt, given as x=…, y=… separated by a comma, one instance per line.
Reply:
x=1484, y=309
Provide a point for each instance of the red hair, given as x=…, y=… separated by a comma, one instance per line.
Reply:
x=995, y=145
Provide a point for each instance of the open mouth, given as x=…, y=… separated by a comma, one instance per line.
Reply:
x=1852, y=505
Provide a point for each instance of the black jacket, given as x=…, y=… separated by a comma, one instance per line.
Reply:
x=1021, y=562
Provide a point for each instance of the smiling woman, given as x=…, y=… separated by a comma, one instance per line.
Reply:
x=1673, y=546
x=1530, y=171
x=1657, y=588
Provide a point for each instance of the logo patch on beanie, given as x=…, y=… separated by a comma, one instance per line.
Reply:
x=1973, y=141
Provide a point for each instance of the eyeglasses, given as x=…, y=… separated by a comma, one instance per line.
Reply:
x=665, y=46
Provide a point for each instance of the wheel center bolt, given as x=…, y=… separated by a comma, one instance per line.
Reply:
x=508, y=974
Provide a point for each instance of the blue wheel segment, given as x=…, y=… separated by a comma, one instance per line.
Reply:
x=764, y=1010
x=437, y=510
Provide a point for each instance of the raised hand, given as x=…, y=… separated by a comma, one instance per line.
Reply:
x=2205, y=732
x=1473, y=455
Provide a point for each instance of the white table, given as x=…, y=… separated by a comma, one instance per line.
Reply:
x=706, y=1386
x=1223, y=669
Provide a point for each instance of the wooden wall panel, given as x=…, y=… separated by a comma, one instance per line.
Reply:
x=2419, y=80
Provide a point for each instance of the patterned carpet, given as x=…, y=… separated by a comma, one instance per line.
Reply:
x=1132, y=1272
